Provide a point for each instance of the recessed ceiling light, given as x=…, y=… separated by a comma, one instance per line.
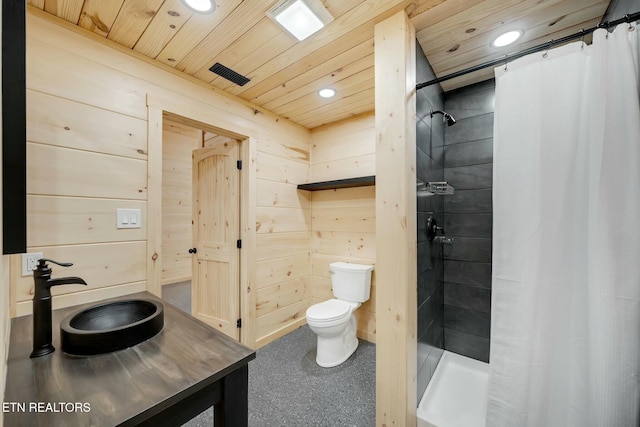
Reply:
x=507, y=38
x=327, y=93
x=301, y=18
x=200, y=6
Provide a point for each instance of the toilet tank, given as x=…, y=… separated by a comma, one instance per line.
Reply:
x=351, y=282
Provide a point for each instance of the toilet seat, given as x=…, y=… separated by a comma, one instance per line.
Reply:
x=329, y=311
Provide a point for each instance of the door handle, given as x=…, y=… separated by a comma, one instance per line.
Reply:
x=193, y=251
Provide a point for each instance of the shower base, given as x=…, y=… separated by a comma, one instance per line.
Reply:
x=456, y=395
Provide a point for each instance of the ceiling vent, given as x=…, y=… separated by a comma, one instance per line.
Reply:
x=229, y=74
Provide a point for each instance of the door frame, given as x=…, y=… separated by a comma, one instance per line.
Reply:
x=207, y=118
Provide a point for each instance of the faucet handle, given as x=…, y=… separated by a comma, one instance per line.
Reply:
x=42, y=263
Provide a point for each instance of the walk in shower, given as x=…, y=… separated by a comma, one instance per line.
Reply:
x=454, y=157
x=561, y=289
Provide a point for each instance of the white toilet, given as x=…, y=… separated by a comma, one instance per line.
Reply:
x=332, y=320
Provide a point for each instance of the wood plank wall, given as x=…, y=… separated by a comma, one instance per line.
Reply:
x=343, y=221
x=345, y=149
x=178, y=142
x=283, y=227
x=87, y=136
x=86, y=150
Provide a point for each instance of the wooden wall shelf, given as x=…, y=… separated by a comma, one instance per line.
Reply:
x=362, y=181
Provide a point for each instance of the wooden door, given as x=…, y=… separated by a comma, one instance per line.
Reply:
x=215, y=295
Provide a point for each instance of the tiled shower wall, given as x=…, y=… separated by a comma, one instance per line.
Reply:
x=468, y=166
x=430, y=167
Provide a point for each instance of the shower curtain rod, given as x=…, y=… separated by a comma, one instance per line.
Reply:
x=539, y=48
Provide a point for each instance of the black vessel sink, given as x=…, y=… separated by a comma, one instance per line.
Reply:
x=113, y=326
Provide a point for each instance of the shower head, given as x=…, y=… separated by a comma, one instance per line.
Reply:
x=448, y=117
x=450, y=120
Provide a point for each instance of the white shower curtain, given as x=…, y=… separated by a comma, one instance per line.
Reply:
x=565, y=333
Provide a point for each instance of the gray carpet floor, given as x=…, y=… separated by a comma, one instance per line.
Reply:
x=288, y=388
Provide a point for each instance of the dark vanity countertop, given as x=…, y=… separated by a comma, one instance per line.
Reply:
x=125, y=386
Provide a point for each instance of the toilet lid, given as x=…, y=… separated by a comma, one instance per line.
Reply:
x=329, y=310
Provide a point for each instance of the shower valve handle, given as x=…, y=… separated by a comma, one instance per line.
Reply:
x=432, y=228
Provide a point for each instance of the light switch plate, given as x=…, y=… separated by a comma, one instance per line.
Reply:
x=30, y=262
x=128, y=218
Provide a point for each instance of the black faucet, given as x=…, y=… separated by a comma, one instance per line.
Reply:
x=42, y=304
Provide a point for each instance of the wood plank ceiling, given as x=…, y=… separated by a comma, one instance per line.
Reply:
x=286, y=74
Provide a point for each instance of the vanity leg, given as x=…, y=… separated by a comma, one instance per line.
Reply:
x=233, y=409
